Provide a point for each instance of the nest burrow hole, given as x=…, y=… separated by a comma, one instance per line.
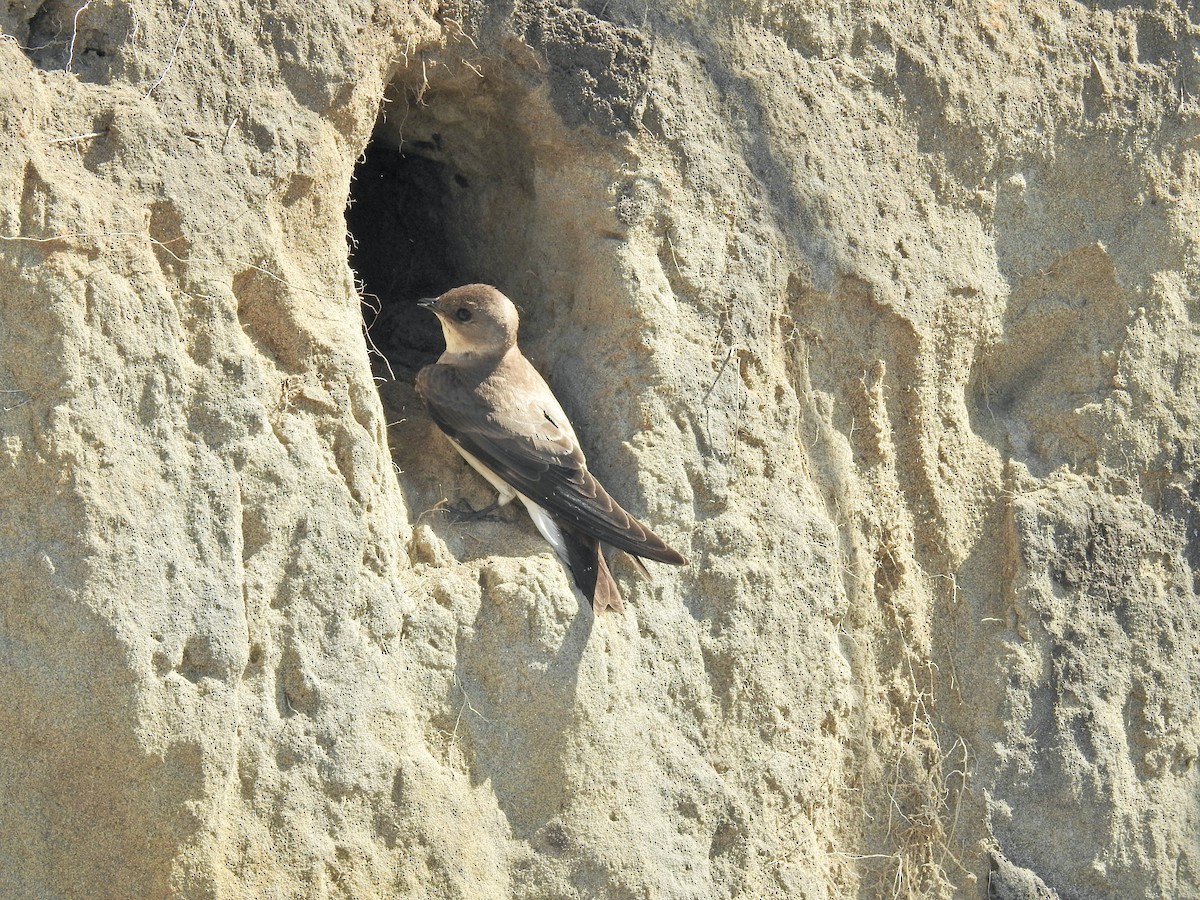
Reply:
x=442, y=196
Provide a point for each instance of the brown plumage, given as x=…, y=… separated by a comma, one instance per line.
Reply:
x=503, y=418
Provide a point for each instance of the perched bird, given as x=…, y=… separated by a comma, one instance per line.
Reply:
x=504, y=420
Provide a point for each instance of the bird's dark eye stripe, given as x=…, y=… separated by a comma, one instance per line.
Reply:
x=463, y=314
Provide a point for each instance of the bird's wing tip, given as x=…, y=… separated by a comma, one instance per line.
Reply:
x=675, y=558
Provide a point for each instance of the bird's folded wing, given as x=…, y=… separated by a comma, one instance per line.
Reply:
x=540, y=457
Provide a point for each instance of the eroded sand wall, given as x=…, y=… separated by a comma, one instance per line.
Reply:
x=883, y=314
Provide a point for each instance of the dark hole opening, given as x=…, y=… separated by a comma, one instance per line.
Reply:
x=399, y=249
x=442, y=196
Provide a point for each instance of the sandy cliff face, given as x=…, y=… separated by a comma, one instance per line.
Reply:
x=884, y=315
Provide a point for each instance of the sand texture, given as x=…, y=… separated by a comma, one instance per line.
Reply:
x=887, y=315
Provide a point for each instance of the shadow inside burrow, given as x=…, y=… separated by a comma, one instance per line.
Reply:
x=442, y=196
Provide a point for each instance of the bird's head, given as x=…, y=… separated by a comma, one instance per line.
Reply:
x=477, y=320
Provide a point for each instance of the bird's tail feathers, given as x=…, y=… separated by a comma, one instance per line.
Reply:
x=606, y=595
x=585, y=559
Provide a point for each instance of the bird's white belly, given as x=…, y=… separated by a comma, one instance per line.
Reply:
x=542, y=519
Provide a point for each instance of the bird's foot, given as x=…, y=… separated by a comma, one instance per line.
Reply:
x=461, y=512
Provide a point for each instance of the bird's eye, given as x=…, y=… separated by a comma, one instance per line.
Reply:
x=463, y=314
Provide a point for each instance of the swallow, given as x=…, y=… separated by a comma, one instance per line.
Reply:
x=504, y=420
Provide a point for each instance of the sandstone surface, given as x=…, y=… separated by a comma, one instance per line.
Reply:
x=886, y=314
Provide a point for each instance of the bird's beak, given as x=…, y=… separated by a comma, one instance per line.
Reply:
x=427, y=302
